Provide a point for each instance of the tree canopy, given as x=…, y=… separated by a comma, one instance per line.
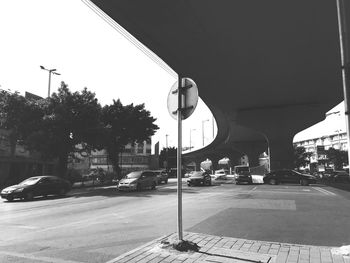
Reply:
x=70, y=122
x=125, y=124
x=337, y=157
x=301, y=157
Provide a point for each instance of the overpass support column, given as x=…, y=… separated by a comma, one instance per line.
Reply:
x=198, y=164
x=214, y=162
x=282, y=153
x=253, y=157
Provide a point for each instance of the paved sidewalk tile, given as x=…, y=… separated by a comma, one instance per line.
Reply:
x=217, y=249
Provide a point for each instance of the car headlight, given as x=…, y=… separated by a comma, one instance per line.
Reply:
x=18, y=190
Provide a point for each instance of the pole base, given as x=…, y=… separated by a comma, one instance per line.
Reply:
x=183, y=245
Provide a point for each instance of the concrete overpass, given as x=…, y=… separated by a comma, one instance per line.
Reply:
x=266, y=68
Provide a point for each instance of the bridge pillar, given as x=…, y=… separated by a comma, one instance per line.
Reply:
x=282, y=153
x=198, y=164
x=214, y=163
x=253, y=156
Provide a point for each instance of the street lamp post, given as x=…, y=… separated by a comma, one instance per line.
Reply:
x=51, y=71
x=203, y=130
x=191, y=138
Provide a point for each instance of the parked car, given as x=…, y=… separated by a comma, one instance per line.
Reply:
x=341, y=177
x=289, y=176
x=242, y=174
x=199, y=178
x=162, y=176
x=36, y=186
x=220, y=174
x=138, y=180
x=188, y=174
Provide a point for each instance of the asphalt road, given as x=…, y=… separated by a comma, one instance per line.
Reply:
x=97, y=225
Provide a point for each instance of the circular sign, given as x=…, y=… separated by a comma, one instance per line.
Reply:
x=189, y=98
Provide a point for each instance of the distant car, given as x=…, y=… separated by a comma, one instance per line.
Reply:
x=220, y=174
x=199, y=178
x=289, y=176
x=36, y=186
x=162, y=176
x=242, y=174
x=188, y=174
x=138, y=180
x=341, y=177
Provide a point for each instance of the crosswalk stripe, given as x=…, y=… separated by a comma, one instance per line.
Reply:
x=324, y=191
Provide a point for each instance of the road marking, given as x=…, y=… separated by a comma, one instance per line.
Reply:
x=324, y=191
x=37, y=258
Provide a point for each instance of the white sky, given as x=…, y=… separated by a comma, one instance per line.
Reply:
x=87, y=52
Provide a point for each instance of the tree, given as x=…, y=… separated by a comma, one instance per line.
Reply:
x=70, y=119
x=167, y=157
x=19, y=116
x=125, y=124
x=301, y=157
x=337, y=157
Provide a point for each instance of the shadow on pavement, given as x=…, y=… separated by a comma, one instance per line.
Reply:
x=113, y=192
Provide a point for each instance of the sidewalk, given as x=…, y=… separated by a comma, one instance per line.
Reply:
x=216, y=249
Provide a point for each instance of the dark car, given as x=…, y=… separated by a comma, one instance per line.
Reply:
x=289, y=176
x=340, y=176
x=36, y=186
x=162, y=176
x=138, y=180
x=199, y=178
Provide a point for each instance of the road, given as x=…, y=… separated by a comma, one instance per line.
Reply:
x=97, y=225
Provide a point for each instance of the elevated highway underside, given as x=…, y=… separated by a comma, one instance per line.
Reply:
x=266, y=68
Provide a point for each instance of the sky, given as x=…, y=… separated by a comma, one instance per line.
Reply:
x=68, y=36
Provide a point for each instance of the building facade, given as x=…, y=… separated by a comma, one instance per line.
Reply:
x=329, y=133
x=136, y=156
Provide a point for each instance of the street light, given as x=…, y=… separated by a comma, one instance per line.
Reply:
x=191, y=138
x=203, y=130
x=51, y=71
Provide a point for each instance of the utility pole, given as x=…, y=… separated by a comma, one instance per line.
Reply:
x=345, y=64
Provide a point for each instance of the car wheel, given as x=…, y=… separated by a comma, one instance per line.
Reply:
x=207, y=182
x=304, y=182
x=10, y=199
x=29, y=196
x=273, y=181
x=138, y=187
x=237, y=182
x=166, y=181
x=153, y=186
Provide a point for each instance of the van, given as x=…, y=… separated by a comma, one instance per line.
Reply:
x=242, y=174
x=138, y=180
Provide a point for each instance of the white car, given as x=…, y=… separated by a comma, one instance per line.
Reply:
x=220, y=175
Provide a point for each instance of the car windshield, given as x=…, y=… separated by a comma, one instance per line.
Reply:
x=30, y=181
x=133, y=175
x=197, y=174
x=241, y=170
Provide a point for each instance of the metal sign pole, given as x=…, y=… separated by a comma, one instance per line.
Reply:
x=179, y=150
x=345, y=65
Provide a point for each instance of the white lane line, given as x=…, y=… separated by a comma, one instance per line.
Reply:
x=37, y=258
x=324, y=191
